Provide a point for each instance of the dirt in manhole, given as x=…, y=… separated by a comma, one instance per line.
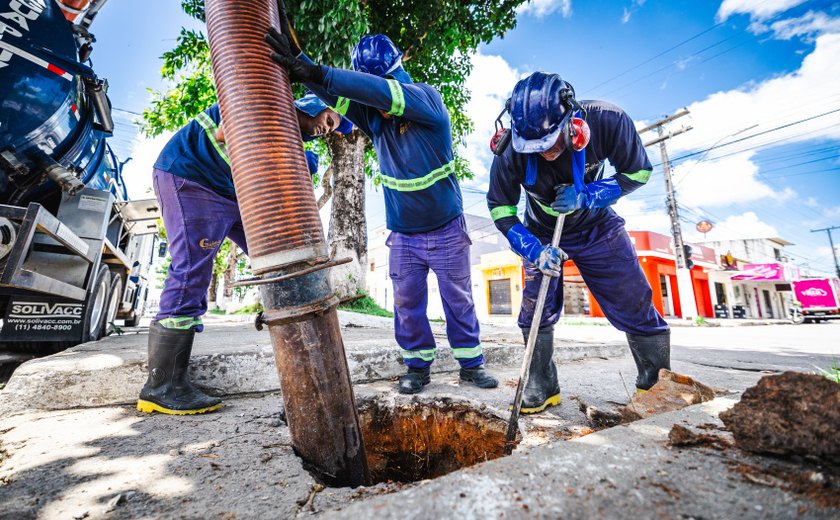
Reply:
x=407, y=442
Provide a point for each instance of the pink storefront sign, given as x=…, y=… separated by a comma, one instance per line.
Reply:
x=817, y=293
x=761, y=272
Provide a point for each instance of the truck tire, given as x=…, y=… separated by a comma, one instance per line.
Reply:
x=96, y=305
x=114, y=299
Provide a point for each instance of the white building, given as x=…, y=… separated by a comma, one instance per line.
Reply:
x=755, y=282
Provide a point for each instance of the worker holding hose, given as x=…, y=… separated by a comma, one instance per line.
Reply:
x=194, y=185
x=410, y=130
x=558, y=154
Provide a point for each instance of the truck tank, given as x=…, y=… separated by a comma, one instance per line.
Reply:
x=74, y=251
x=54, y=116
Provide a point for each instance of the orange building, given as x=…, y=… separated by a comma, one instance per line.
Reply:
x=656, y=256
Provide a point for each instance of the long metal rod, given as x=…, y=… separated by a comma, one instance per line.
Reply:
x=525, y=371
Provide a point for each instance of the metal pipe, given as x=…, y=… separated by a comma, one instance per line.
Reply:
x=284, y=233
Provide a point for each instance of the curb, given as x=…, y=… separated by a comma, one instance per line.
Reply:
x=111, y=371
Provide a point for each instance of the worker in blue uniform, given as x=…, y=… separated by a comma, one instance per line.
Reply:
x=193, y=183
x=558, y=154
x=410, y=130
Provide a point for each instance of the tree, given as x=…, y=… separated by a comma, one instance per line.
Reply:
x=437, y=38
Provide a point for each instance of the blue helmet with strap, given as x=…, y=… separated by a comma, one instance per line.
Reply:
x=311, y=105
x=540, y=107
x=376, y=54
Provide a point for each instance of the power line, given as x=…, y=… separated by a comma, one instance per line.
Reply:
x=666, y=51
x=752, y=136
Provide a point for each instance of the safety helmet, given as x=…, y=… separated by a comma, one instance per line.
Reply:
x=311, y=105
x=540, y=107
x=376, y=54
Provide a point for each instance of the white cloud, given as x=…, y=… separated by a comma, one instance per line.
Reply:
x=808, y=91
x=490, y=83
x=806, y=26
x=757, y=9
x=137, y=174
x=722, y=182
x=626, y=16
x=640, y=216
x=734, y=227
x=543, y=8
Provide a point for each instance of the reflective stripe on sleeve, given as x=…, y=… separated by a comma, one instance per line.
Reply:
x=210, y=128
x=641, y=176
x=420, y=183
x=502, y=212
x=397, y=98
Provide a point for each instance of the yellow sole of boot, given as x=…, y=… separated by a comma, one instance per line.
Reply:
x=150, y=407
x=554, y=400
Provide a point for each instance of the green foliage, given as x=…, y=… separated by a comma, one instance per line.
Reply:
x=832, y=374
x=436, y=37
x=700, y=321
x=219, y=312
x=188, y=66
x=254, y=308
x=365, y=305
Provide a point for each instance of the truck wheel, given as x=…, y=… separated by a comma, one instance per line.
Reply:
x=114, y=300
x=96, y=306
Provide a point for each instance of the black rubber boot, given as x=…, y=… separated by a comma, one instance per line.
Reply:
x=650, y=354
x=414, y=380
x=479, y=376
x=168, y=389
x=542, y=389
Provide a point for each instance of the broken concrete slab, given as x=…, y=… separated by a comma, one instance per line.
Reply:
x=672, y=391
x=789, y=414
x=236, y=359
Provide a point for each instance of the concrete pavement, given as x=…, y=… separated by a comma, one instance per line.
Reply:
x=108, y=461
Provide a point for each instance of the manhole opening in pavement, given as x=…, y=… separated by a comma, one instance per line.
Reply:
x=418, y=440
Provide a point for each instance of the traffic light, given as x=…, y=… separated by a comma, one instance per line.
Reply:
x=687, y=251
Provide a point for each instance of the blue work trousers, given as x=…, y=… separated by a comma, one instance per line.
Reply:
x=607, y=261
x=197, y=220
x=446, y=251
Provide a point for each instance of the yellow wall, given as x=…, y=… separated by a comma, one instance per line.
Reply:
x=498, y=266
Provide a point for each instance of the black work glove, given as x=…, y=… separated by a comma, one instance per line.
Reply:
x=286, y=28
x=299, y=70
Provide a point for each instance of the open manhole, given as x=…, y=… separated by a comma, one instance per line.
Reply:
x=411, y=440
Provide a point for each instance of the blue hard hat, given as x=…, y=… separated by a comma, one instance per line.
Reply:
x=376, y=54
x=538, y=111
x=311, y=105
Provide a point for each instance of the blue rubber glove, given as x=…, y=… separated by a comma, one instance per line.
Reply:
x=549, y=260
x=598, y=194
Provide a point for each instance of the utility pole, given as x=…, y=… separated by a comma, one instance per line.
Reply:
x=831, y=241
x=685, y=287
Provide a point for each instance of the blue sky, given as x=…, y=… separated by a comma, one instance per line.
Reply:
x=744, y=68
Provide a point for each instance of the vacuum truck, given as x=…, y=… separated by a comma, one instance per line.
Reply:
x=74, y=251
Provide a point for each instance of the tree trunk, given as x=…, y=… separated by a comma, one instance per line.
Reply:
x=230, y=272
x=211, y=291
x=348, y=230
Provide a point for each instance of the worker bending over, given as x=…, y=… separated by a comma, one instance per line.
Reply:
x=551, y=140
x=194, y=186
x=409, y=126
